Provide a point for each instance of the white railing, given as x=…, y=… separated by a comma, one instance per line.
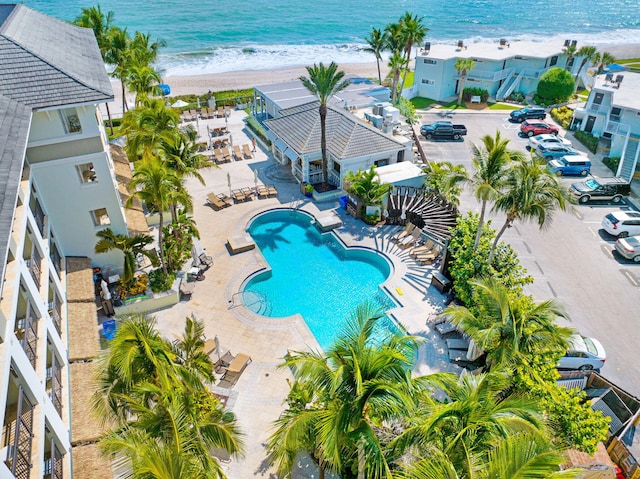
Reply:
x=616, y=128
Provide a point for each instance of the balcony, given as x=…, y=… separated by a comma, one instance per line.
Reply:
x=17, y=435
x=35, y=265
x=56, y=315
x=53, y=463
x=41, y=219
x=26, y=331
x=54, y=380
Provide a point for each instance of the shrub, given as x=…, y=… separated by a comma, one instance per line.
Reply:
x=408, y=111
x=517, y=97
x=159, y=282
x=257, y=128
x=136, y=287
x=556, y=85
x=588, y=140
x=562, y=115
x=612, y=163
x=467, y=93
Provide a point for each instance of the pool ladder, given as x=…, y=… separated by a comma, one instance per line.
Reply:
x=295, y=205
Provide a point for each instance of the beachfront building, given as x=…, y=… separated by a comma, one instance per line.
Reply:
x=57, y=189
x=352, y=144
x=500, y=68
x=612, y=112
x=271, y=99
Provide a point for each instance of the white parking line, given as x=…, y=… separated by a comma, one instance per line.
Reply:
x=596, y=235
x=510, y=126
x=630, y=277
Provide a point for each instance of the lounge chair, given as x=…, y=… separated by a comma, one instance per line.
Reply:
x=227, y=154
x=220, y=112
x=187, y=288
x=427, y=258
x=427, y=247
x=263, y=192
x=204, y=114
x=218, y=155
x=211, y=113
x=248, y=193
x=410, y=240
x=194, y=114
x=273, y=192
x=247, y=151
x=456, y=343
x=406, y=231
x=239, y=363
x=222, y=362
x=226, y=199
x=238, y=196
x=237, y=153
x=445, y=328
x=457, y=355
x=205, y=260
x=215, y=202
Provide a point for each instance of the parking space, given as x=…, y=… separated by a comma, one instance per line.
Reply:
x=573, y=259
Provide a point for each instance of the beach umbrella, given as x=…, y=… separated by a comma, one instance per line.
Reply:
x=231, y=140
x=194, y=255
x=229, y=183
x=255, y=179
x=216, y=341
x=179, y=104
x=198, y=103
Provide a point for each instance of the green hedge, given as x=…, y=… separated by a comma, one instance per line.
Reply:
x=588, y=140
x=612, y=163
x=467, y=93
x=257, y=128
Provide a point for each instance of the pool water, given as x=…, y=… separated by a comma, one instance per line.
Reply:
x=314, y=275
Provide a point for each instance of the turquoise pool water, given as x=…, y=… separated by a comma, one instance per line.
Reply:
x=313, y=274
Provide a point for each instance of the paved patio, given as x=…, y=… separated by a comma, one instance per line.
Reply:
x=257, y=397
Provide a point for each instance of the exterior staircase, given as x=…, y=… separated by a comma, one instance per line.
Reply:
x=629, y=158
x=509, y=85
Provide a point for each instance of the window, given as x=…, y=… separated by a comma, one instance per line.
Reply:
x=554, y=60
x=71, y=120
x=570, y=62
x=100, y=217
x=336, y=167
x=87, y=173
x=428, y=82
x=597, y=99
x=429, y=61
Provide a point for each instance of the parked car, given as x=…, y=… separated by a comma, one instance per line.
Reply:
x=601, y=189
x=583, y=353
x=533, y=128
x=629, y=247
x=443, y=130
x=622, y=223
x=528, y=113
x=570, y=165
x=555, y=151
x=546, y=140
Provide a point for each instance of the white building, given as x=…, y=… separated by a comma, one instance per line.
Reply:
x=57, y=189
x=500, y=68
x=612, y=112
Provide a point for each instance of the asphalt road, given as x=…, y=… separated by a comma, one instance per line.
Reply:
x=572, y=259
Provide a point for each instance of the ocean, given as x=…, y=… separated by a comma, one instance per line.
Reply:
x=212, y=36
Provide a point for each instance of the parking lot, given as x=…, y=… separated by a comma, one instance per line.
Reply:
x=572, y=259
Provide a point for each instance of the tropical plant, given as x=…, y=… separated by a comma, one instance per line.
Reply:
x=408, y=110
x=143, y=80
x=510, y=327
x=530, y=193
x=366, y=186
x=446, y=180
x=396, y=64
x=118, y=55
x=180, y=153
x=363, y=381
x=376, y=42
x=556, y=85
x=189, y=350
x=178, y=239
x=324, y=82
x=587, y=53
x=154, y=184
x=602, y=59
x=463, y=66
x=570, y=51
x=490, y=164
x=130, y=247
x=414, y=32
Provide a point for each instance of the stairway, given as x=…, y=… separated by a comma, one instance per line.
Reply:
x=629, y=158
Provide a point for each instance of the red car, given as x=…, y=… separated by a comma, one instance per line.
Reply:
x=533, y=128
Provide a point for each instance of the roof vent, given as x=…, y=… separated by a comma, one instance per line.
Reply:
x=608, y=78
x=619, y=79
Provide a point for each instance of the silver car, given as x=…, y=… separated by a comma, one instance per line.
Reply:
x=583, y=354
x=546, y=139
x=629, y=248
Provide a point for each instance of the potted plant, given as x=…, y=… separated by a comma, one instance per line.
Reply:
x=308, y=190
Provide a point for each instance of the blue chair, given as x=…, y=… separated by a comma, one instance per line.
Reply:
x=109, y=329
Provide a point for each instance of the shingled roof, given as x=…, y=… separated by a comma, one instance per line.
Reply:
x=47, y=62
x=347, y=136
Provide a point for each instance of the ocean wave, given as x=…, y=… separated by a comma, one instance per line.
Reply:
x=270, y=57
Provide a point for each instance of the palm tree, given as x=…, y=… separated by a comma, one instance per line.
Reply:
x=463, y=66
x=446, y=179
x=396, y=64
x=377, y=43
x=366, y=186
x=363, y=381
x=189, y=349
x=154, y=184
x=144, y=51
x=530, y=193
x=143, y=80
x=490, y=166
x=324, y=82
x=129, y=246
x=414, y=32
x=602, y=59
x=570, y=51
x=180, y=153
x=510, y=328
x=396, y=42
x=587, y=53
x=118, y=55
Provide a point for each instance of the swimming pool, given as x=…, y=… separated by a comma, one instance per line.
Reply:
x=313, y=274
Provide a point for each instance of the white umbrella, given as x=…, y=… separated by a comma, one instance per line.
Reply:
x=255, y=179
x=230, y=140
x=229, y=183
x=194, y=254
x=217, y=343
x=179, y=104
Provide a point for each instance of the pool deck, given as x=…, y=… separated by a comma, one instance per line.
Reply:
x=257, y=397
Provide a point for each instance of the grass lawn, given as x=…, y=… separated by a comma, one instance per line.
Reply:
x=501, y=106
x=408, y=79
x=421, y=102
x=453, y=105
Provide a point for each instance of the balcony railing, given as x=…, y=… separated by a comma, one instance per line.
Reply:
x=56, y=316
x=55, y=393
x=53, y=465
x=40, y=219
x=616, y=128
x=56, y=259
x=27, y=333
x=34, y=265
x=19, y=436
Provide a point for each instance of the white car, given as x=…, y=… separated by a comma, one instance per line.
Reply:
x=546, y=139
x=583, y=354
x=622, y=223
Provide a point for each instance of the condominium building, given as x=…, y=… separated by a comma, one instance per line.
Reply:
x=58, y=187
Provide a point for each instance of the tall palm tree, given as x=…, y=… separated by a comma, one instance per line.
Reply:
x=602, y=59
x=145, y=51
x=154, y=184
x=143, y=80
x=507, y=328
x=324, y=82
x=446, y=179
x=490, y=165
x=587, y=53
x=463, y=66
x=396, y=42
x=189, y=349
x=129, y=246
x=396, y=64
x=570, y=51
x=118, y=55
x=180, y=153
x=530, y=193
x=414, y=32
x=377, y=44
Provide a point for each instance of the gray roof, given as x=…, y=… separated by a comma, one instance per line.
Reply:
x=44, y=63
x=347, y=136
x=47, y=62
